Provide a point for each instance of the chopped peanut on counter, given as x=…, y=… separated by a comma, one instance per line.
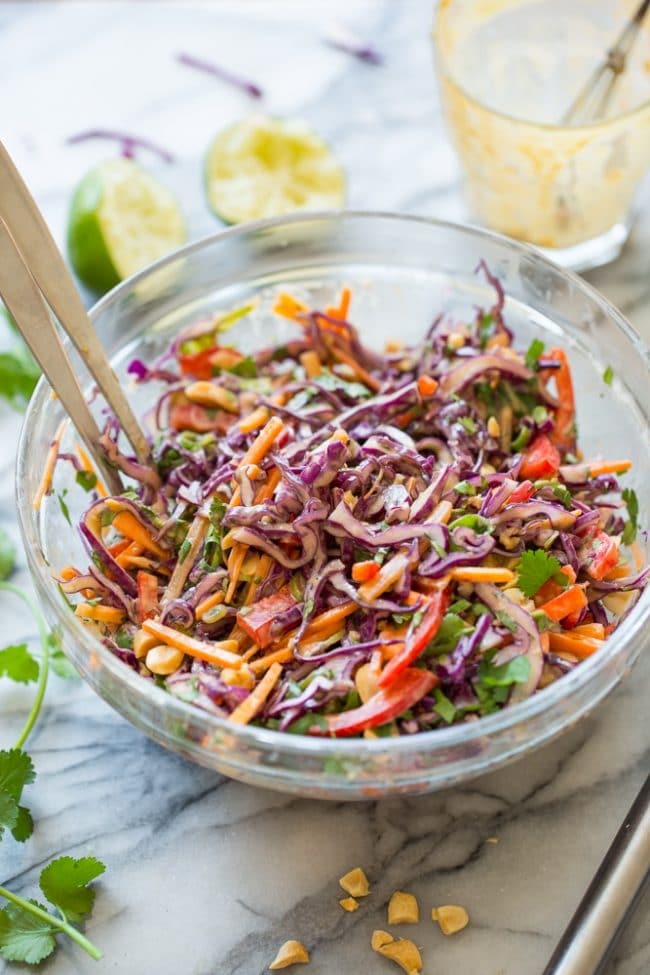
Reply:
x=400, y=950
x=349, y=904
x=355, y=883
x=403, y=908
x=451, y=918
x=291, y=953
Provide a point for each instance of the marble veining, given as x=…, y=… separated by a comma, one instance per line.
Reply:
x=206, y=876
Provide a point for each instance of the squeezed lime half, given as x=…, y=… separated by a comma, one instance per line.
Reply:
x=265, y=167
x=121, y=219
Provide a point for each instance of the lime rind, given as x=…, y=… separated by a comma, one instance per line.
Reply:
x=121, y=220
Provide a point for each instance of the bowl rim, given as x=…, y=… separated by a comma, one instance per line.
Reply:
x=279, y=741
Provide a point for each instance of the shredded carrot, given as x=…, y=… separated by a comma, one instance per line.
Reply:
x=128, y=525
x=102, y=614
x=311, y=363
x=609, y=467
x=281, y=656
x=263, y=442
x=359, y=371
x=235, y=563
x=45, y=484
x=87, y=464
x=427, y=386
x=289, y=307
x=441, y=512
x=263, y=568
x=341, y=310
x=365, y=571
x=595, y=631
x=208, y=603
x=329, y=617
x=580, y=647
x=486, y=573
x=140, y=562
x=572, y=600
x=220, y=654
x=118, y=547
x=249, y=707
x=254, y=420
x=390, y=573
x=69, y=572
x=131, y=550
x=545, y=642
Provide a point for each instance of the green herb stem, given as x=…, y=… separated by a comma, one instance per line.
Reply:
x=44, y=663
x=54, y=921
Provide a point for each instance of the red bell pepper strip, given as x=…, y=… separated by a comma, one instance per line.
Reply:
x=564, y=431
x=541, y=459
x=388, y=703
x=198, y=365
x=419, y=639
x=184, y=415
x=603, y=556
x=259, y=620
x=147, y=603
x=521, y=493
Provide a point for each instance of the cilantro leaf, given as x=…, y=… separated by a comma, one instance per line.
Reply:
x=16, y=771
x=506, y=620
x=58, y=660
x=87, y=479
x=246, y=368
x=24, y=825
x=7, y=555
x=608, y=375
x=468, y=424
x=535, y=349
x=535, y=568
x=64, y=508
x=17, y=663
x=18, y=376
x=632, y=502
x=24, y=937
x=443, y=706
x=449, y=633
x=65, y=884
x=515, y=671
x=465, y=487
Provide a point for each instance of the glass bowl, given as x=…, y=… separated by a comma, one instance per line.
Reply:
x=403, y=271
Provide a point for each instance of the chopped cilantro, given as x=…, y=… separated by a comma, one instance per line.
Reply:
x=468, y=424
x=86, y=479
x=535, y=568
x=515, y=671
x=632, y=502
x=465, y=487
x=535, y=350
x=444, y=706
x=608, y=375
x=246, y=368
x=451, y=630
x=506, y=620
x=64, y=508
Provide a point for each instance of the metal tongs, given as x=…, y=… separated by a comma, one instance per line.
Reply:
x=34, y=283
x=592, y=100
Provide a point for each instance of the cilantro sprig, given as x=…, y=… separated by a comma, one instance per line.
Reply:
x=631, y=526
x=28, y=929
x=535, y=568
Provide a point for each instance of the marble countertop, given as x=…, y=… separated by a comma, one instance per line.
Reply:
x=206, y=876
